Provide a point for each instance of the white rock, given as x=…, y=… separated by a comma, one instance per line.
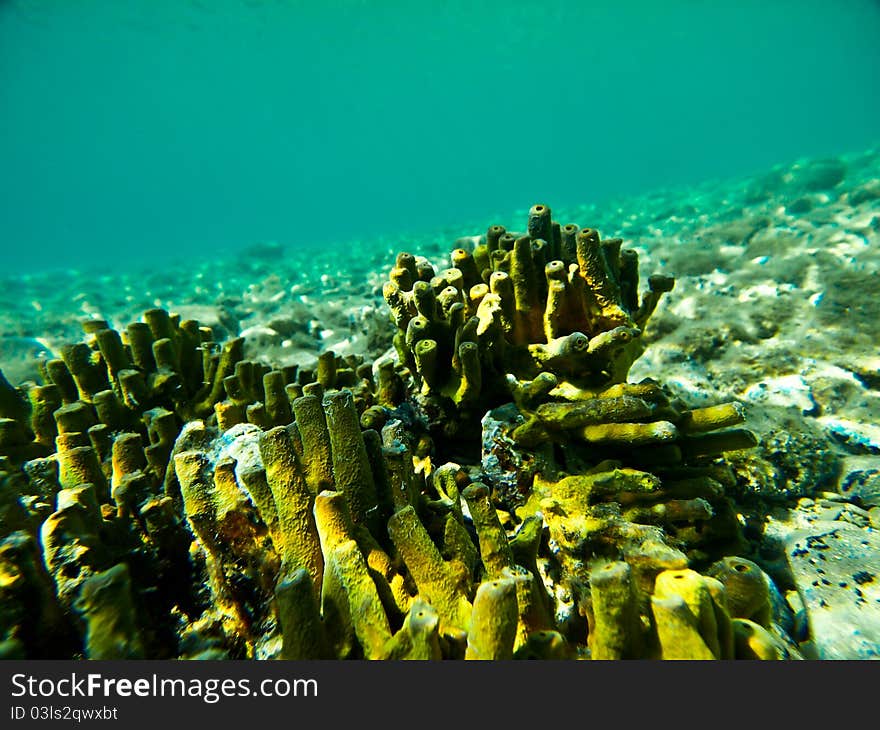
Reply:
x=258, y=331
x=863, y=436
x=836, y=568
x=785, y=391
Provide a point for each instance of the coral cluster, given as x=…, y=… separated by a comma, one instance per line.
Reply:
x=557, y=300
x=164, y=497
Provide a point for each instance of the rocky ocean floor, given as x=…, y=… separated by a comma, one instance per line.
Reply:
x=774, y=306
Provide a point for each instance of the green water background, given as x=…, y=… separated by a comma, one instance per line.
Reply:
x=161, y=129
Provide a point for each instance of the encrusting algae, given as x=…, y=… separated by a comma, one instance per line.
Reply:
x=164, y=497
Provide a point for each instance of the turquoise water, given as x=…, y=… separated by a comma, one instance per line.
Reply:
x=155, y=129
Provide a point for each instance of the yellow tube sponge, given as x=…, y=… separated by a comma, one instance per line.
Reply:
x=107, y=606
x=616, y=630
x=493, y=621
x=301, y=547
x=436, y=582
x=301, y=626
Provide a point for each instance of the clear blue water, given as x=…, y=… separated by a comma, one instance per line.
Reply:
x=133, y=130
